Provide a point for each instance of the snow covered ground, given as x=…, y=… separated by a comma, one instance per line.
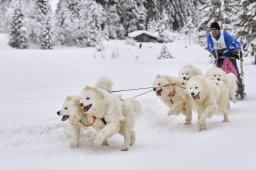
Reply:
x=34, y=83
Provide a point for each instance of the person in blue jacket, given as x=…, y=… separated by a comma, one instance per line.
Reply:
x=218, y=39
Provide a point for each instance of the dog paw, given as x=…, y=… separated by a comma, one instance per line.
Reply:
x=201, y=125
x=173, y=112
x=125, y=149
x=234, y=100
x=74, y=145
x=99, y=140
x=105, y=143
x=225, y=120
x=187, y=122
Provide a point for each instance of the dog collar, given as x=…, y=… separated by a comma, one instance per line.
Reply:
x=94, y=119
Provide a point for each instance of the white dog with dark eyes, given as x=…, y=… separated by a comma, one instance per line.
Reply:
x=209, y=97
x=119, y=115
x=173, y=94
x=188, y=71
x=229, y=80
x=72, y=111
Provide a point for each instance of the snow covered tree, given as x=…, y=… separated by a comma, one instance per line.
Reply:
x=65, y=23
x=47, y=37
x=245, y=27
x=18, y=34
x=133, y=15
x=113, y=22
x=4, y=18
x=165, y=54
x=40, y=10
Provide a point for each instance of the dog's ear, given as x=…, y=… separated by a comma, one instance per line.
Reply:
x=87, y=87
x=68, y=98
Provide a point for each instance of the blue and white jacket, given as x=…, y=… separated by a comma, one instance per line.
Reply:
x=223, y=40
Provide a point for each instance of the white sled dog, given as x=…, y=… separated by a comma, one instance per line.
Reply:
x=72, y=111
x=208, y=98
x=188, y=71
x=228, y=79
x=118, y=114
x=170, y=91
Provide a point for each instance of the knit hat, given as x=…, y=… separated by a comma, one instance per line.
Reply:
x=215, y=26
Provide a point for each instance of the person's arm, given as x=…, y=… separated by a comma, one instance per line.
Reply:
x=210, y=44
x=231, y=43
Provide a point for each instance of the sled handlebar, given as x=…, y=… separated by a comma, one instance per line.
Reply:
x=221, y=50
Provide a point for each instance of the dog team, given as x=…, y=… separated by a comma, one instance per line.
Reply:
x=109, y=113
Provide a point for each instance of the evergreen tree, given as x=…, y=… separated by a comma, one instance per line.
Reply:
x=113, y=21
x=133, y=15
x=40, y=10
x=165, y=54
x=65, y=25
x=47, y=41
x=18, y=35
x=245, y=27
x=4, y=7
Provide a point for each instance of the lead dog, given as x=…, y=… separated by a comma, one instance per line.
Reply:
x=72, y=111
x=208, y=98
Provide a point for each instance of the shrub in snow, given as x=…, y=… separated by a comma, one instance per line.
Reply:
x=165, y=54
x=115, y=54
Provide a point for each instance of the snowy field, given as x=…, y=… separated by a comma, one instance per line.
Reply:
x=34, y=83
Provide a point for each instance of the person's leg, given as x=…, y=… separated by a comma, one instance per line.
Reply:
x=240, y=84
x=234, y=63
x=220, y=62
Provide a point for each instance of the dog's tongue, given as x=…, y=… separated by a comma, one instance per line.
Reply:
x=158, y=92
x=64, y=118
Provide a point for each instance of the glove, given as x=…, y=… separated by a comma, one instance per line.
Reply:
x=214, y=54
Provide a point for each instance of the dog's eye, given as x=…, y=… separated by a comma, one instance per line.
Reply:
x=87, y=98
x=159, y=84
x=187, y=73
x=214, y=75
x=196, y=87
x=65, y=108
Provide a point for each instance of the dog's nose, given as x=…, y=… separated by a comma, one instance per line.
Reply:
x=192, y=94
x=218, y=79
x=154, y=89
x=184, y=78
x=58, y=112
x=81, y=104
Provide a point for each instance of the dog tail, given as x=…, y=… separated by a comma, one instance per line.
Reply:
x=104, y=83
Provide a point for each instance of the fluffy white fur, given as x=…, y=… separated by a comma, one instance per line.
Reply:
x=208, y=98
x=188, y=71
x=173, y=96
x=228, y=79
x=104, y=83
x=118, y=114
x=77, y=118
